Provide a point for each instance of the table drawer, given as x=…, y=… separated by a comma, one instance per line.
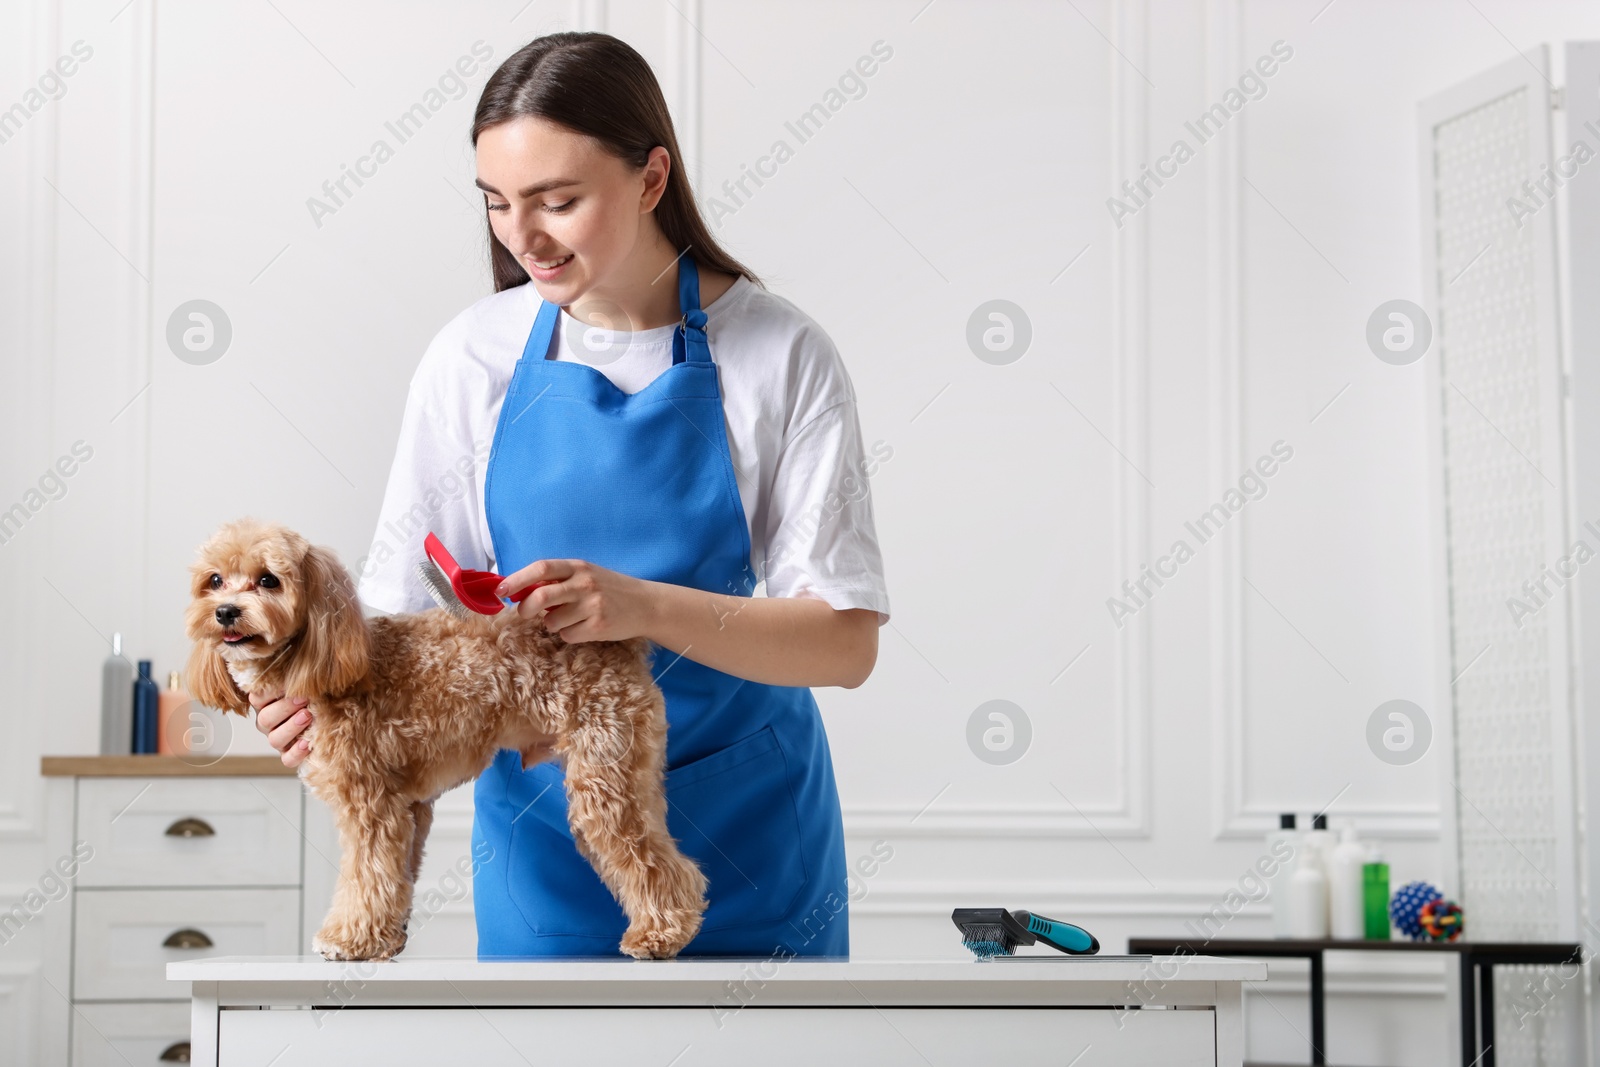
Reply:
x=697, y=1037
x=121, y=949
x=130, y=1035
x=190, y=832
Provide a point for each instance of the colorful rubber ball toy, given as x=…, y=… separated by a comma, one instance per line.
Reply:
x=1405, y=908
x=1441, y=920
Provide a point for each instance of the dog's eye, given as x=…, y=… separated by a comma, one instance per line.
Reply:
x=216, y=581
x=268, y=581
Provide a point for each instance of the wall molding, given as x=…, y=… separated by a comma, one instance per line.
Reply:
x=20, y=990
x=683, y=77
x=1224, y=235
x=589, y=15
x=21, y=799
x=1234, y=813
x=932, y=897
x=1130, y=303
x=1129, y=815
x=991, y=820
x=64, y=403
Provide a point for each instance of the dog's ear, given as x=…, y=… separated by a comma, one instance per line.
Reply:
x=209, y=682
x=334, y=650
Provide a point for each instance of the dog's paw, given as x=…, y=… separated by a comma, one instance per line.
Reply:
x=661, y=939
x=358, y=941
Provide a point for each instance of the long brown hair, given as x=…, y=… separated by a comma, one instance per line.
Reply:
x=595, y=84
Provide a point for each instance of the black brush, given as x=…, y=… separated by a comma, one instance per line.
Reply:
x=997, y=932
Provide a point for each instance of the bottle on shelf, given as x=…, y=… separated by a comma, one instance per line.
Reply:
x=173, y=733
x=1346, y=888
x=146, y=711
x=1322, y=840
x=1375, y=895
x=1308, y=895
x=116, y=702
x=1281, y=846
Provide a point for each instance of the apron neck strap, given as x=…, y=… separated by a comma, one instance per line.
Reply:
x=689, y=339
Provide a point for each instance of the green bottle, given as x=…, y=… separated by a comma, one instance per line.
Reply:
x=1375, y=896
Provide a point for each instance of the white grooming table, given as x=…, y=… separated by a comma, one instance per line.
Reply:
x=285, y=1010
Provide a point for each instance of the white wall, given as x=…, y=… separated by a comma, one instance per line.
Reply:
x=1167, y=355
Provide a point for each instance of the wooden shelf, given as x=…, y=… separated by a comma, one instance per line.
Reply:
x=163, y=767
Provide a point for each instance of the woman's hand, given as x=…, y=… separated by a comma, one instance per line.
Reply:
x=794, y=641
x=584, y=601
x=284, y=722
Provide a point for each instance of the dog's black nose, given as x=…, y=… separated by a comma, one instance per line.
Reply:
x=228, y=614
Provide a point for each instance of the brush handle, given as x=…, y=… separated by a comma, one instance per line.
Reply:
x=474, y=589
x=1064, y=936
x=484, y=583
x=522, y=594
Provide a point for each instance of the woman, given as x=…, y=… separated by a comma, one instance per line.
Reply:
x=666, y=415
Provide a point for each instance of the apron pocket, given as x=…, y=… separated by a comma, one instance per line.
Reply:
x=734, y=814
x=541, y=792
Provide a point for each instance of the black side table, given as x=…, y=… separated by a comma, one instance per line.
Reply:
x=1477, y=960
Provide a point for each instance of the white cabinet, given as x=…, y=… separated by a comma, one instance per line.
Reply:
x=131, y=1035
x=710, y=1012
x=772, y=1037
x=171, y=862
x=190, y=831
x=123, y=939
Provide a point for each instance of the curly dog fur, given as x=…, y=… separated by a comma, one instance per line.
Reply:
x=407, y=706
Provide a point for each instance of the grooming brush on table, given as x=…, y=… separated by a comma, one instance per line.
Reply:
x=462, y=590
x=991, y=932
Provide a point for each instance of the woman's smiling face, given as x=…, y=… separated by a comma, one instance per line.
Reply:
x=569, y=210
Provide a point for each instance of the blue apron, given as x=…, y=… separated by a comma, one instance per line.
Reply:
x=643, y=484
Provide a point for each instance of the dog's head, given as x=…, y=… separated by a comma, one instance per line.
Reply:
x=274, y=606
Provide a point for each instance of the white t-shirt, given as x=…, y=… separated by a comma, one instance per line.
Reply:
x=793, y=433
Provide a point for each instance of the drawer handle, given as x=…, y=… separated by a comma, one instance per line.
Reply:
x=186, y=938
x=177, y=1052
x=191, y=827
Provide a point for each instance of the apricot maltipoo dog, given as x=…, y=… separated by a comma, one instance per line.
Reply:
x=405, y=707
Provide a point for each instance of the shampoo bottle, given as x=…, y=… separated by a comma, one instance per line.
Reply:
x=116, y=702
x=146, y=710
x=1322, y=840
x=173, y=732
x=1346, y=902
x=1281, y=847
x=1308, y=895
x=1375, y=896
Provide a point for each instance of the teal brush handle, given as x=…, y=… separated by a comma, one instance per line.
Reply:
x=1059, y=935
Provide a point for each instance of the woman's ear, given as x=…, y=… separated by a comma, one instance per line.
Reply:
x=334, y=650
x=208, y=681
x=657, y=170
